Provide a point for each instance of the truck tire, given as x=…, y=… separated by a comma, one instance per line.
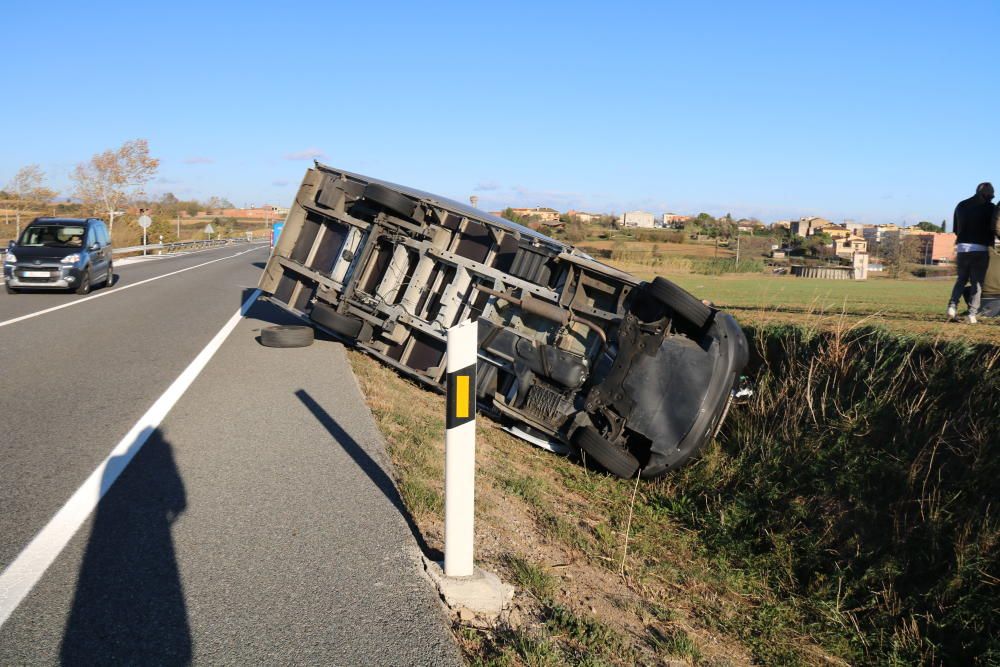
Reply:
x=286, y=336
x=679, y=301
x=614, y=459
x=390, y=199
x=343, y=325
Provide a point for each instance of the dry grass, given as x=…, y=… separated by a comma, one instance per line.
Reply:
x=557, y=530
x=693, y=249
x=843, y=516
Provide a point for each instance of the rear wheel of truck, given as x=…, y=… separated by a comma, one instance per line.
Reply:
x=344, y=325
x=286, y=336
x=615, y=459
x=390, y=199
x=679, y=301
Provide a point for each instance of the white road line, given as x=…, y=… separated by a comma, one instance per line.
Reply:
x=116, y=290
x=29, y=566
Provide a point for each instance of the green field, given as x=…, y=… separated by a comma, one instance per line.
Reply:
x=784, y=293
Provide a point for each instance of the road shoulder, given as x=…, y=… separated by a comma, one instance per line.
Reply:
x=258, y=525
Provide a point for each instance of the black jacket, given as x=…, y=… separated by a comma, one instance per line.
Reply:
x=973, y=221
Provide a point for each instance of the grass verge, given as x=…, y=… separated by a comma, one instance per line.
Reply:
x=846, y=515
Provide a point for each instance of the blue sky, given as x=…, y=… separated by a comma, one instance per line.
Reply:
x=872, y=111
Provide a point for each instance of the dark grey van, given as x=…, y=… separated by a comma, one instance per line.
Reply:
x=60, y=253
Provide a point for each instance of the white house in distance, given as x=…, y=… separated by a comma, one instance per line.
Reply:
x=584, y=217
x=636, y=219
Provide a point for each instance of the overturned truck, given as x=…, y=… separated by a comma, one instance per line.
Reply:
x=572, y=353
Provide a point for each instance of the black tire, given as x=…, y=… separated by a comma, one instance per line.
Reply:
x=344, y=325
x=390, y=199
x=84, y=286
x=10, y=290
x=110, y=280
x=286, y=336
x=683, y=304
x=615, y=460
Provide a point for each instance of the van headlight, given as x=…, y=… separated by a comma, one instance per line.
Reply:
x=10, y=258
x=70, y=259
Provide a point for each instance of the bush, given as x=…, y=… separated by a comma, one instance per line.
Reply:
x=922, y=271
x=862, y=480
x=659, y=235
x=716, y=266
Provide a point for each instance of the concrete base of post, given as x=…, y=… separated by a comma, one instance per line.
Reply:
x=483, y=593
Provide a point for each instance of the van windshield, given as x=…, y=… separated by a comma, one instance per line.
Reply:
x=53, y=236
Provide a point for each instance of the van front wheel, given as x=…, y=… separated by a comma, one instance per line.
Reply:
x=84, y=286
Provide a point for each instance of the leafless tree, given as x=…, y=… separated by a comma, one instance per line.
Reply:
x=898, y=252
x=112, y=178
x=28, y=191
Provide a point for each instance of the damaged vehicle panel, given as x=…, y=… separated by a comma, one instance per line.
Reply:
x=638, y=375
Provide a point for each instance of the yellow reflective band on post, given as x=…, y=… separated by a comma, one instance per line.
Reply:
x=462, y=397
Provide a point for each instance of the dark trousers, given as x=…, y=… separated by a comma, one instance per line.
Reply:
x=972, y=270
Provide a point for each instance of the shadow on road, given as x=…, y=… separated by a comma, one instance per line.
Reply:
x=370, y=467
x=260, y=265
x=129, y=603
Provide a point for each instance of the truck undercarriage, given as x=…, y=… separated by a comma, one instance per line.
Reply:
x=571, y=352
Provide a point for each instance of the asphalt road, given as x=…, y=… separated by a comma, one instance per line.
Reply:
x=257, y=525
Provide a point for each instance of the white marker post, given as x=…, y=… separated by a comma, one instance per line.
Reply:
x=460, y=451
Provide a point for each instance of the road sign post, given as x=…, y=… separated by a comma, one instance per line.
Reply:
x=460, y=451
x=144, y=221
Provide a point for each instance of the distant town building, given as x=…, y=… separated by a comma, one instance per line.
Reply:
x=540, y=213
x=674, y=220
x=856, y=228
x=935, y=247
x=585, y=217
x=931, y=247
x=809, y=225
x=875, y=234
x=837, y=232
x=636, y=219
x=846, y=246
x=749, y=225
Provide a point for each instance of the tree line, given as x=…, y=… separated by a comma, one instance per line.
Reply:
x=106, y=185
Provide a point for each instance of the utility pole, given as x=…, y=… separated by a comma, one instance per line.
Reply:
x=178, y=224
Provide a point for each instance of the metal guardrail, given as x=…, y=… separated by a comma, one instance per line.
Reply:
x=182, y=245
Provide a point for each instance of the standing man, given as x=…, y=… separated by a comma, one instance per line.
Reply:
x=973, y=227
